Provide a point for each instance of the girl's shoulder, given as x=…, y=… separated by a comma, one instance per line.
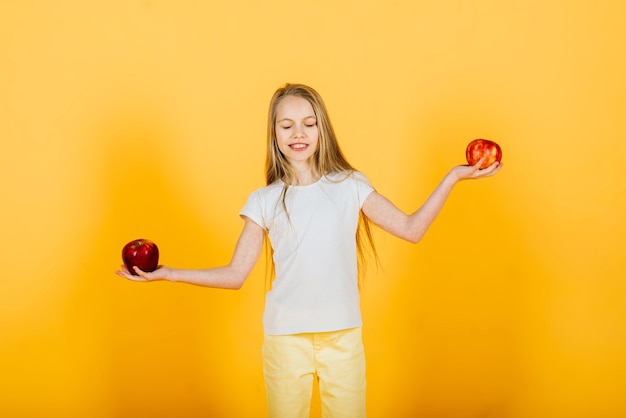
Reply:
x=275, y=187
x=352, y=175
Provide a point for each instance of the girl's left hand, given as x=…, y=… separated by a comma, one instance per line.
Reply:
x=464, y=172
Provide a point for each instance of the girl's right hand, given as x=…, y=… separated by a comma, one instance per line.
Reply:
x=161, y=273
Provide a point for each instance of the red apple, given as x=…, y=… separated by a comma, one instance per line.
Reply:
x=479, y=148
x=142, y=253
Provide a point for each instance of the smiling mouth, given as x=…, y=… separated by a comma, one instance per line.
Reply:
x=298, y=146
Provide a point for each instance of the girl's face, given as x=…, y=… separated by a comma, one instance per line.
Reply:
x=296, y=129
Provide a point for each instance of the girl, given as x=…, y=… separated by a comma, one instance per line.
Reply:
x=314, y=211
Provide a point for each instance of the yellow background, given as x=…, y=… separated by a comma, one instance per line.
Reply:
x=128, y=119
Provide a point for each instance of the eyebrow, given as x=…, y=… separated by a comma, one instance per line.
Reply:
x=291, y=120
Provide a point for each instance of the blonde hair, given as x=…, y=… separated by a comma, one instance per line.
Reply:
x=327, y=159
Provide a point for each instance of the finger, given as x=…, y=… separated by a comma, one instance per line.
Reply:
x=125, y=274
x=123, y=271
x=478, y=163
x=491, y=170
x=142, y=275
x=495, y=167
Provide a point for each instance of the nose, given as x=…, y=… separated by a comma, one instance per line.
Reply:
x=299, y=131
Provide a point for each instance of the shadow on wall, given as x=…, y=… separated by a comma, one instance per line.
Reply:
x=147, y=354
x=463, y=348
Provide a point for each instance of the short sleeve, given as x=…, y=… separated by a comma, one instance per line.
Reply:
x=254, y=210
x=363, y=187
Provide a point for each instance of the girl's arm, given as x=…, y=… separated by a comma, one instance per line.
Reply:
x=412, y=227
x=231, y=276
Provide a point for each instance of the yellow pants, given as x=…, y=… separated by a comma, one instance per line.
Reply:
x=291, y=362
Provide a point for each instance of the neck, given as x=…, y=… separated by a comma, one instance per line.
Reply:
x=304, y=175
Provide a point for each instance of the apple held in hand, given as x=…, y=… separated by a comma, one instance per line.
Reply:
x=142, y=253
x=480, y=148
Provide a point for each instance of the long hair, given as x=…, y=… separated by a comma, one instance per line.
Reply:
x=328, y=158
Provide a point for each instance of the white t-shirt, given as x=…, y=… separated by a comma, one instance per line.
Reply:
x=316, y=287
